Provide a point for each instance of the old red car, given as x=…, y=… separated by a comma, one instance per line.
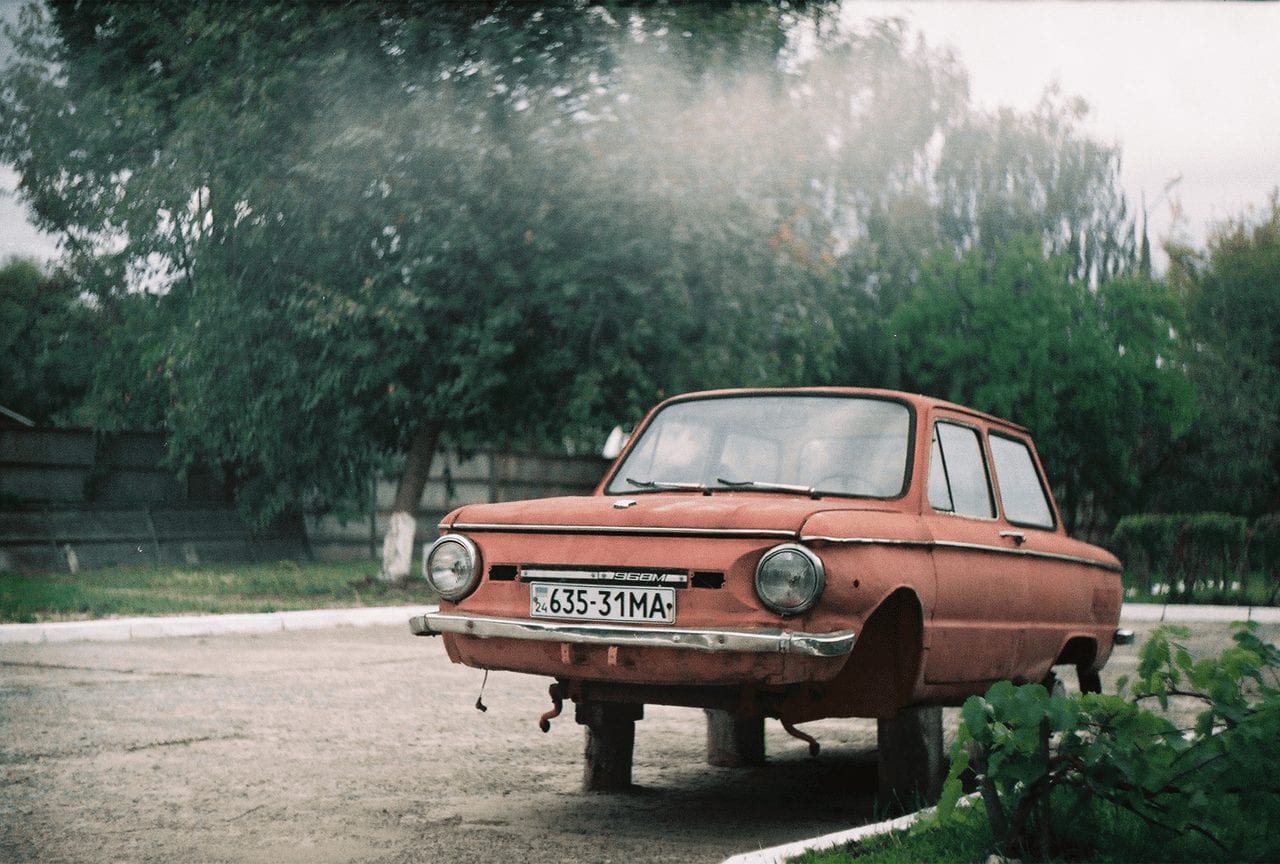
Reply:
x=799, y=554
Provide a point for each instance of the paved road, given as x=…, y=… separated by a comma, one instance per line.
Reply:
x=363, y=744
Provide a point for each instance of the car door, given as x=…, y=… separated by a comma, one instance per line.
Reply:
x=1062, y=590
x=984, y=596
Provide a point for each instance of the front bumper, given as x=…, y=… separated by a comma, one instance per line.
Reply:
x=761, y=641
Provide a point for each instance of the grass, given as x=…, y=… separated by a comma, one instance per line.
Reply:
x=177, y=590
x=1084, y=832
x=965, y=840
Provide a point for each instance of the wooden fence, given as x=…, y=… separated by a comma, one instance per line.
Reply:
x=73, y=498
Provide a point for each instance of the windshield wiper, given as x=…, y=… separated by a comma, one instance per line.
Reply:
x=811, y=491
x=670, y=485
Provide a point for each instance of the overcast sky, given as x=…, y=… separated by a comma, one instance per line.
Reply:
x=1189, y=90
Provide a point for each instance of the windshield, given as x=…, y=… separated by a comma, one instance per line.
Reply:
x=811, y=444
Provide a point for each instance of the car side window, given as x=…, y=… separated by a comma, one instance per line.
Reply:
x=958, y=480
x=1021, y=493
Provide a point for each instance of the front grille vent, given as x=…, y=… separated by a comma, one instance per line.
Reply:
x=706, y=579
x=502, y=573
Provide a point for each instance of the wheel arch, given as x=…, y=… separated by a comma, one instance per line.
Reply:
x=883, y=670
x=1080, y=651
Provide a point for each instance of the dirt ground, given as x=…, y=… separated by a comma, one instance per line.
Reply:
x=365, y=745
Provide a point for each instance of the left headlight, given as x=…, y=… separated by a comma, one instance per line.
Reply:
x=452, y=566
x=789, y=579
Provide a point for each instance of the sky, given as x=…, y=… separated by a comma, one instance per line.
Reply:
x=1190, y=91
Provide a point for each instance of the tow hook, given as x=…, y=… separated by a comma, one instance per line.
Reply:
x=557, y=701
x=814, y=746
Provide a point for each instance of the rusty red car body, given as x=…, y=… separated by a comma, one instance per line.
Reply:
x=799, y=553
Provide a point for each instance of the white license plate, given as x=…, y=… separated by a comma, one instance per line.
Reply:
x=602, y=602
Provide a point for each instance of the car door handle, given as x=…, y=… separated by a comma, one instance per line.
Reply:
x=1016, y=536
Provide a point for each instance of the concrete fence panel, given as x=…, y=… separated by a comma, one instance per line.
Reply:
x=71, y=499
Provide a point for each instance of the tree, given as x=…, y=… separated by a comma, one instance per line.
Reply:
x=1006, y=174
x=200, y=139
x=1092, y=373
x=355, y=224
x=354, y=233
x=46, y=332
x=1231, y=460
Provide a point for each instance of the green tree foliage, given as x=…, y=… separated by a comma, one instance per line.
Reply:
x=335, y=201
x=773, y=169
x=1090, y=371
x=46, y=332
x=1231, y=461
x=1009, y=174
x=75, y=357
x=368, y=227
x=365, y=219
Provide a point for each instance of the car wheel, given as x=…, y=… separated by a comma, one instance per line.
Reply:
x=1090, y=680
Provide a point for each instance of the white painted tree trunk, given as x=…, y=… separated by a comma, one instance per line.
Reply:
x=397, y=547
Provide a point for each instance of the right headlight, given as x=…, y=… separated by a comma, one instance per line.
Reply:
x=452, y=566
x=789, y=579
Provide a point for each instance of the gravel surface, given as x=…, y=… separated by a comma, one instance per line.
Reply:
x=364, y=744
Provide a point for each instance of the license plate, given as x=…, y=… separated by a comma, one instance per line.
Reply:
x=602, y=603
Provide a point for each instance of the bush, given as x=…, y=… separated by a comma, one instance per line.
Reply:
x=1197, y=550
x=1210, y=792
x=1264, y=550
x=1144, y=543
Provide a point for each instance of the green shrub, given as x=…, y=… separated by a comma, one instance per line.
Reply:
x=1264, y=550
x=1206, y=550
x=1213, y=549
x=1210, y=792
x=1145, y=544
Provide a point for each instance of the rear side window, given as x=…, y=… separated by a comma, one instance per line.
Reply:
x=1021, y=493
x=958, y=473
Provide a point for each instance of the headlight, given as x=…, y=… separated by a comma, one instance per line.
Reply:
x=452, y=566
x=789, y=579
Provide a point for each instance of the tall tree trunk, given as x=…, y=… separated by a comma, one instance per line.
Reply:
x=397, y=546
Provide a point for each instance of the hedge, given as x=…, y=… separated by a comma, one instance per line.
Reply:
x=1209, y=550
x=1264, y=546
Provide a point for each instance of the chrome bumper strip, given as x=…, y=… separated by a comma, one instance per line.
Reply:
x=768, y=641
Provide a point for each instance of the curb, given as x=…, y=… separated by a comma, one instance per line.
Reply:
x=787, y=851
x=1152, y=613
x=125, y=629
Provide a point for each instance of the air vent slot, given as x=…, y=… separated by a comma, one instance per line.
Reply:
x=502, y=573
x=707, y=579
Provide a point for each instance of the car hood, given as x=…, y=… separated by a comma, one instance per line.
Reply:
x=656, y=513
